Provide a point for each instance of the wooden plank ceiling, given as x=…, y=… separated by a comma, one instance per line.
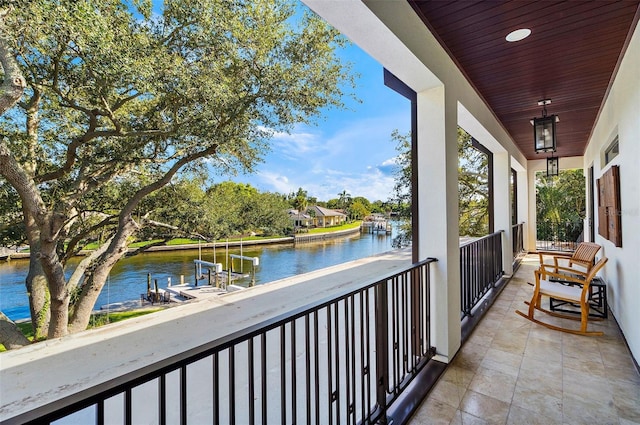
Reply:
x=570, y=58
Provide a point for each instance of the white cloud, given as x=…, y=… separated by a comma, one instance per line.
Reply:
x=273, y=182
x=301, y=141
x=372, y=184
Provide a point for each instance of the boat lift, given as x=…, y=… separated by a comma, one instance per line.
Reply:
x=255, y=262
x=214, y=270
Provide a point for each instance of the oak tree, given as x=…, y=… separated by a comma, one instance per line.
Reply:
x=96, y=92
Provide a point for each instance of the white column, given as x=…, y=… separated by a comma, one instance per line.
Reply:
x=523, y=206
x=502, y=206
x=531, y=207
x=438, y=213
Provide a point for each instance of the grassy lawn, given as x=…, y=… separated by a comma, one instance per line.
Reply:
x=187, y=241
x=347, y=226
x=96, y=321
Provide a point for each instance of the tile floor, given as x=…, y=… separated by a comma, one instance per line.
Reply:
x=512, y=371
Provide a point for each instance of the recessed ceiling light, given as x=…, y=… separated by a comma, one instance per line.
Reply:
x=519, y=34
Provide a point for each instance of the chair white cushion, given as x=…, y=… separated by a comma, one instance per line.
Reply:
x=558, y=290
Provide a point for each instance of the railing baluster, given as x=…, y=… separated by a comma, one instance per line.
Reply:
x=382, y=348
x=183, y=395
x=336, y=332
x=216, y=388
x=252, y=390
x=232, y=385
x=316, y=356
x=162, y=398
x=100, y=413
x=283, y=377
x=263, y=374
x=127, y=407
x=352, y=398
x=294, y=415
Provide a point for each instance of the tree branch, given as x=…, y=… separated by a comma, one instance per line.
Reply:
x=10, y=335
x=14, y=83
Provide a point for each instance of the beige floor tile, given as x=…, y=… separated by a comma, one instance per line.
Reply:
x=470, y=356
x=464, y=418
x=542, y=333
x=482, y=336
x=484, y=407
x=542, y=381
x=493, y=384
x=580, y=411
x=622, y=371
x=511, y=343
x=448, y=392
x=539, y=401
x=549, y=351
x=502, y=361
x=585, y=386
x=589, y=366
x=458, y=375
x=521, y=416
x=626, y=397
x=434, y=412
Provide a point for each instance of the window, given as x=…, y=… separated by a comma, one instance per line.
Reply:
x=611, y=151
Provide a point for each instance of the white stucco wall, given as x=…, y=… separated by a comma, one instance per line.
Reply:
x=620, y=116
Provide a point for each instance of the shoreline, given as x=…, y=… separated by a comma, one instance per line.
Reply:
x=303, y=238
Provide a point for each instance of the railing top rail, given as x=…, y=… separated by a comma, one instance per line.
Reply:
x=482, y=238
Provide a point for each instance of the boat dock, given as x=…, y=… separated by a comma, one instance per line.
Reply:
x=375, y=223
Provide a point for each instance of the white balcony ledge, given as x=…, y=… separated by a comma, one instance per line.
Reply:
x=51, y=370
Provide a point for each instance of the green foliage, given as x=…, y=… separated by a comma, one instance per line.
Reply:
x=359, y=209
x=400, y=202
x=344, y=200
x=101, y=319
x=472, y=185
x=473, y=188
x=560, y=206
x=236, y=209
x=300, y=201
x=333, y=204
x=12, y=231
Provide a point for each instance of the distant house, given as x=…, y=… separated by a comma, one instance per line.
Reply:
x=324, y=217
x=300, y=219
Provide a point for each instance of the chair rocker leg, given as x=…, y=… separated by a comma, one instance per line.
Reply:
x=558, y=328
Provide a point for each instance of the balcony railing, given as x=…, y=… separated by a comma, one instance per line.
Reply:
x=343, y=361
x=555, y=236
x=480, y=269
x=517, y=239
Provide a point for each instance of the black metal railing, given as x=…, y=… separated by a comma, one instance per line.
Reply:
x=556, y=236
x=338, y=361
x=517, y=239
x=480, y=269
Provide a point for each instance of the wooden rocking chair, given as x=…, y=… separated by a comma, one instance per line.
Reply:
x=573, y=289
x=581, y=260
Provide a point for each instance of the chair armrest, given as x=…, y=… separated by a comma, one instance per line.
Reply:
x=558, y=269
x=561, y=276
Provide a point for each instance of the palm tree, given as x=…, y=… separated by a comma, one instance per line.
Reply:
x=344, y=199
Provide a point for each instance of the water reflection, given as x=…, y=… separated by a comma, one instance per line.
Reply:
x=128, y=278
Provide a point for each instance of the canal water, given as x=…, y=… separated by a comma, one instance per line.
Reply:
x=128, y=279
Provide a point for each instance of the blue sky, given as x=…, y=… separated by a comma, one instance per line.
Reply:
x=348, y=150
